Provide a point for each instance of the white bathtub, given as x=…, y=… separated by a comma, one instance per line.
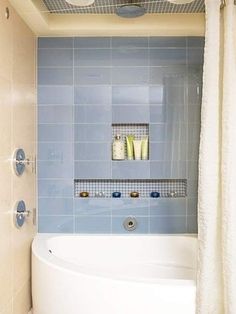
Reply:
x=103, y=274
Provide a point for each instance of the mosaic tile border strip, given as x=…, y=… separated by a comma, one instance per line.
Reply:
x=109, y=7
x=138, y=130
x=166, y=188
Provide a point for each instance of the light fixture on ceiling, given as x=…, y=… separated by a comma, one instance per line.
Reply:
x=80, y=3
x=180, y=1
x=130, y=10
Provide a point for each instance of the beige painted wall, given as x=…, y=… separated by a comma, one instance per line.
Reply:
x=17, y=129
x=35, y=14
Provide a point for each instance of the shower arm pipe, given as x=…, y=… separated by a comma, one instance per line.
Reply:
x=224, y=3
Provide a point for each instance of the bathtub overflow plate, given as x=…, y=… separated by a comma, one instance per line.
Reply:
x=130, y=223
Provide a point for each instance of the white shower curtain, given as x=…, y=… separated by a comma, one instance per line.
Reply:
x=216, y=284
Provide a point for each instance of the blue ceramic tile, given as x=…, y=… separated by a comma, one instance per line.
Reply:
x=92, y=114
x=167, y=42
x=195, y=74
x=171, y=132
x=130, y=75
x=55, y=57
x=157, y=151
x=192, y=226
x=192, y=204
x=55, y=188
x=196, y=42
x=175, y=94
x=55, y=133
x=92, y=76
x=55, y=206
x=193, y=150
x=55, y=95
x=157, y=170
x=122, y=95
x=93, y=133
x=168, y=207
x=194, y=134
x=195, y=56
x=142, y=225
x=156, y=94
x=176, y=114
x=194, y=114
x=174, y=129
x=130, y=207
x=176, y=132
x=130, y=114
x=93, y=151
x=160, y=57
x=129, y=42
x=92, y=42
x=55, y=114
x=192, y=169
x=168, y=151
x=192, y=187
x=55, y=169
x=55, y=42
x=168, y=170
x=129, y=57
x=195, y=94
x=94, y=95
x=92, y=206
x=92, y=170
x=157, y=113
x=170, y=224
x=172, y=73
x=93, y=224
x=55, y=76
x=55, y=224
x=55, y=151
x=157, y=132
x=130, y=169
x=92, y=57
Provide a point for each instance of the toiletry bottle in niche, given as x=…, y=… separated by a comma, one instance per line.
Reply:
x=144, y=148
x=118, y=148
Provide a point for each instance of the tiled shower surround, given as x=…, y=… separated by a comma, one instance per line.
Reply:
x=86, y=85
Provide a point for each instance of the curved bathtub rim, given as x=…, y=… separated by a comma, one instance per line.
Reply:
x=41, y=252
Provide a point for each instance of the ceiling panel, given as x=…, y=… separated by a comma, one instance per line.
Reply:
x=109, y=7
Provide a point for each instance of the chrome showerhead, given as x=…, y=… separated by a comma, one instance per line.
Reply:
x=130, y=10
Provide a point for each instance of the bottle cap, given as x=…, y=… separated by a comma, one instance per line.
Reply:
x=84, y=194
x=155, y=194
x=116, y=194
x=117, y=137
x=134, y=194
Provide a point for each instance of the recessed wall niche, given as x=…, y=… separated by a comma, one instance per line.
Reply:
x=139, y=131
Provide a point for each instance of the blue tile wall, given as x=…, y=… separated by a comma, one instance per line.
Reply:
x=85, y=85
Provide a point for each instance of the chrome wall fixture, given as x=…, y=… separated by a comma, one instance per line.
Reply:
x=20, y=162
x=20, y=214
x=130, y=223
x=7, y=13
